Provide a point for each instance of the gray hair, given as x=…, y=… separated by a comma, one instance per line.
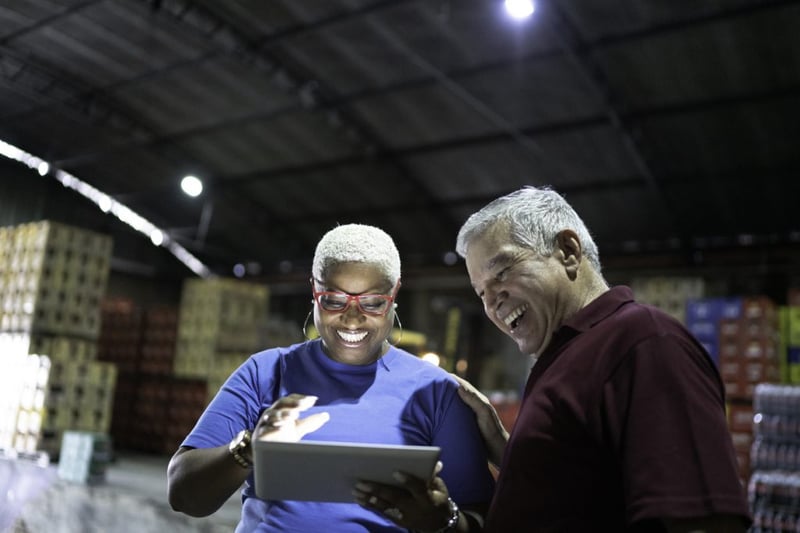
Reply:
x=357, y=243
x=534, y=217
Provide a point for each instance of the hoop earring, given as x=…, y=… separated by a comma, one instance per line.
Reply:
x=400, y=327
x=305, y=324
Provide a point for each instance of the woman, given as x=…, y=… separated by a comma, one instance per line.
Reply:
x=350, y=385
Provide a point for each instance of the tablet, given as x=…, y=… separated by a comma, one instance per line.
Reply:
x=327, y=471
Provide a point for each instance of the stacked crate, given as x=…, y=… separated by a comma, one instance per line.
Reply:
x=752, y=347
x=6, y=276
x=703, y=317
x=167, y=406
x=56, y=277
x=159, y=334
x=23, y=386
x=120, y=334
x=166, y=409
x=80, y=395
x=669, y=294
x=743, y=332
x=220, y=324
x=748, y=348
x=53, y=278
x=118, y=344
x=789, y=351
x=141, y=342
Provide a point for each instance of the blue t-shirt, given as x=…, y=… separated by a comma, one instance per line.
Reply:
x=399, y=399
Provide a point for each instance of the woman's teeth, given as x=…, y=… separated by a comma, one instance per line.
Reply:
x=352, y=338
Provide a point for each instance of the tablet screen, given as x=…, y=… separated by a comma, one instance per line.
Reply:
x=328, y=471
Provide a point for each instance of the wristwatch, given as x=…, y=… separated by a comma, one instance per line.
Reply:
x=237, y=447
x=453, y=521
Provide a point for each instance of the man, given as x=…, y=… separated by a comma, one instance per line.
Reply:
x=622, y=424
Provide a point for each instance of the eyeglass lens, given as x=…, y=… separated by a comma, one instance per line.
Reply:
x=373, y=304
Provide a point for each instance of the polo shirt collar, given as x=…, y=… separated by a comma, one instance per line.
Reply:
x=600, y=308
x=596, y=311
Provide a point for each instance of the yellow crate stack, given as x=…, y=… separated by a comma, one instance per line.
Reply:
x=80, y=397
x=221, y=322
x=668, y=293
x=52, y=279
x=222, y=366
x=55, y=277
x=24, y=383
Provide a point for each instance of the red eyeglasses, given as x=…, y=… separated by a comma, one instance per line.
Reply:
x=369, y=304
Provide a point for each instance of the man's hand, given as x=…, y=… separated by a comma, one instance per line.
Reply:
x=489, y=424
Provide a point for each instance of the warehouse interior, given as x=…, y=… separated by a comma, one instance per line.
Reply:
x=671, y=127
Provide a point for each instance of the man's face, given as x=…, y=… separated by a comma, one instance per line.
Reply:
x=524, y=294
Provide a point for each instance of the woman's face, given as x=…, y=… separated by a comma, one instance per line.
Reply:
x=353, y=336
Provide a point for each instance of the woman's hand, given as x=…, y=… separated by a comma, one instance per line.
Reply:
x=416, y=504
x=281, y=421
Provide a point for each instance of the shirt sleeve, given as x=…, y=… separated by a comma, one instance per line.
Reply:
x=235, y=407
x=665, y=415
x=465, y=466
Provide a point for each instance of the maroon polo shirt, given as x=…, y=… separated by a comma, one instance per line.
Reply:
x=622, y=420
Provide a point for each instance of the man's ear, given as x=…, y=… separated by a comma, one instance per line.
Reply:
x=569, y=247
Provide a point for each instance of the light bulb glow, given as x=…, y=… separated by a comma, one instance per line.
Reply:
x=104, y=201
x=431, y=357
x=192, y=186
x=520, y=9
x=156, y=237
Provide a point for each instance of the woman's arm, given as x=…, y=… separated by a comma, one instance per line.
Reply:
x=200, y=480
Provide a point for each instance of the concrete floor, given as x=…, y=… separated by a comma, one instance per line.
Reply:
x=131, y=499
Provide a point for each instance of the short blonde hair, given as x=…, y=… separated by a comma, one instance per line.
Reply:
x=357, y=243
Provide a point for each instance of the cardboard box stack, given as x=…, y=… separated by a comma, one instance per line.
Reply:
x=748, y=348
x=741, y=334
x=54, y=277
x=703, y=317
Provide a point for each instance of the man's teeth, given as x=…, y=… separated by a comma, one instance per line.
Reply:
x=515, y=314
x=352, y=337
